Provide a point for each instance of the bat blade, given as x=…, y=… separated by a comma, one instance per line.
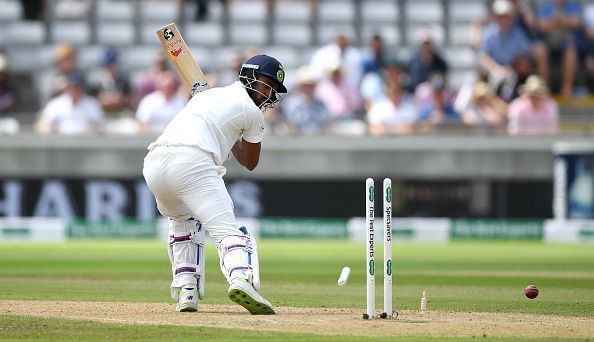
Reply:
x=180, y=56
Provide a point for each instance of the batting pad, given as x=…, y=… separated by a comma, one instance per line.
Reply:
x=253, y=258
x=186, y=254
x=238, y=256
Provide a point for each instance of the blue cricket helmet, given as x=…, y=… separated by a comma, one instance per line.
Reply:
x=268, y=66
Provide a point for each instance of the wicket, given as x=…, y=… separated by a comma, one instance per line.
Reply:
x=370, y=247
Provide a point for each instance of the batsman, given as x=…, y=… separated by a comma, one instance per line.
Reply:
x=184, y=170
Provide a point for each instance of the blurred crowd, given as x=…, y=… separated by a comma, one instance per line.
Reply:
x=527, y=56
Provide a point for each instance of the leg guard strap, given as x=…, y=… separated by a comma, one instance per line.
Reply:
x=239, y=257
x=186, y=253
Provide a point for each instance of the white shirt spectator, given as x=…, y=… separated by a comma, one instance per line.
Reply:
x=385, y=117
x=349, y=57
x=66, y=117
x=385, y=112
x=155, y=111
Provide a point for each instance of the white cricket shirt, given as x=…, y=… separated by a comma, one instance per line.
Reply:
x=214, y=120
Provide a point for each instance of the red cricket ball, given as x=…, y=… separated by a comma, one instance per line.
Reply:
x=531, y=291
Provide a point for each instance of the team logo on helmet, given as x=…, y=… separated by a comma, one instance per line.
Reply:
x=280, y=75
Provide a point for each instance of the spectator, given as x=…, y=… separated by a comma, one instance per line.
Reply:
x=110, y=86
x=148, y=80
x=426, y=61
x=521, y=68
x=231, y=71
x=423, y=95
x=158, y=108
x=377, y=57
x=486, y=109
x=393, y=115
x=534, y=112
x=523, y=17
x=230, y=74
x=337, y=94
x=560, y=22
x=304, y=113
x=439, y=108
x=589, y=58
x=72, y=112
x=373, y=88
x=502, y=42
x=8, y=96
x=54, y=82
x=348, y=56
x=8, y=101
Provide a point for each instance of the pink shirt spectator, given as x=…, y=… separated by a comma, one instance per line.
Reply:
x=533, y=116
x=535, y=112
x=340, y=98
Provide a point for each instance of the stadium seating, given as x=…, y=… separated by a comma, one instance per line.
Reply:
x=115, y=33
x=10, y=10
x=247, y=11
x=110, y=10
x=161, y=10
x=337, y=11
x=379, y=11
x=18, y=33
x=75, y=32
x=292, y=11
x=204, y=33
x=286, y=30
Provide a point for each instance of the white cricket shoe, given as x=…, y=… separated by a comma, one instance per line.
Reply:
x=244, y=294
x=188, y=299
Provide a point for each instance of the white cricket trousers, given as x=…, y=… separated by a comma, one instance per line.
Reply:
x=188, y=184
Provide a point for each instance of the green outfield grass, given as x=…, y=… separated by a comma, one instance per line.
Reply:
x=459, y=276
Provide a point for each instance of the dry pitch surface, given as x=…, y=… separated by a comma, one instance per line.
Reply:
x=323, y=321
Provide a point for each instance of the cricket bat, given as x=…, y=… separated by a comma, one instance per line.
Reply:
x=180, y=56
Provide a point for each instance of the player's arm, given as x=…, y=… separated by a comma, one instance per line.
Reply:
x=247, y=153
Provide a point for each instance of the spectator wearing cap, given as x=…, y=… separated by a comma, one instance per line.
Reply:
x=54, y=82
x=373, y=85
x=486, y=110
x=426, y=61
x=534, y=112
x=303, y=112
x=560, y=22
x=110, y=86
x=72, y=112
x=502, y=42
x=524, y=18
x=158, y=108
x=393, y=115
